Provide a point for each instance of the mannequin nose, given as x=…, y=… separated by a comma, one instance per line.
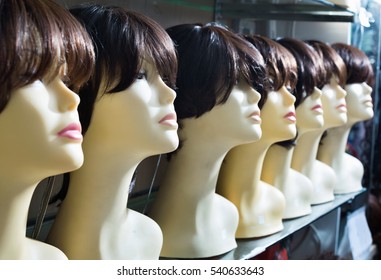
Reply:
x=341, y=93
x=253, y=96
x=289, y=99
x=317, y=93
x=68, y=100
x=167, y=95
x=368, y=89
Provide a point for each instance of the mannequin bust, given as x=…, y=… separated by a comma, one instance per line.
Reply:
x=297, y=187
x=322, y=175
x=349, y=170
x=197, y=222
x=127, y=115
x=38, y=112
x=261, y=205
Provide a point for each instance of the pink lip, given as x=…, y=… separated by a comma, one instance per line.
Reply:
x=169, y=120
x=255, y=117
x=291, y=116
x=342, y=107
x=318, y=108
x=72, y=131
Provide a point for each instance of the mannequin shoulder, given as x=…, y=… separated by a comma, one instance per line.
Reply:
x=42, y=251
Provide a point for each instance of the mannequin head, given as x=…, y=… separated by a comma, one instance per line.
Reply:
x=278, y=112
x=308, y=105
x=135, y=67
x=358, y=84
x=333, y=93
x=46, y=51
x=220, y=75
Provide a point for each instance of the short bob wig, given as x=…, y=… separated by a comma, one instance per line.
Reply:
x=212, y=59
x=332, y=62
x=310, y=67
x=359, y=67
x=38, y=38
x=281, y=65
x=122, y=40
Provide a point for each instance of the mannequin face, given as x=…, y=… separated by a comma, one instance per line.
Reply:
x=359, y=102
x=141, y=117
x=235, y=122
x=334, y=105
x=41, y=133
x=310, y=112
x=278, y=115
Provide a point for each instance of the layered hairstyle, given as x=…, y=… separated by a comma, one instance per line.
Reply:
x=332, y=62
x=310, y=68
x=38, y=39
x=123, y=39
x=280, y=63
x=359, y=67
x=281, y=66
x=212, y=59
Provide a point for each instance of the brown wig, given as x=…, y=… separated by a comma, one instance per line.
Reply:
x=332, y=62
x=37, y=38
x=359, y=67
x=212, y=59
x=310, y=68
x=281, y=66
x=122, y=40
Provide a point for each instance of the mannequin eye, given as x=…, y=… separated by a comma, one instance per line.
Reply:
x=141, y=75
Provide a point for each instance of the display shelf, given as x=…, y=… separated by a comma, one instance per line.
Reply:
x=303, y=10
x=249, y=248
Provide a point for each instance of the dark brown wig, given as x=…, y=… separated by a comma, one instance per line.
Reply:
x=122, y=40
x=37, y=38
x=212, y=59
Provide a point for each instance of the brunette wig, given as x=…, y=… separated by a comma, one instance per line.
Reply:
x=212, y=59
x=310, y=68
x=37, y=38
x=332, y=62
x=359, y=67
x=281, y=66
x=122, y=40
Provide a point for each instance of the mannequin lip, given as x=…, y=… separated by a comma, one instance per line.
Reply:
x=255, y=117
x=169, y=120
x=317, y=108
x=342, y=107
x=368, y=102
x=71, y=131
x=290, y=116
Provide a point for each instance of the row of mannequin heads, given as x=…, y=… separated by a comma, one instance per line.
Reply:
x=95, y=90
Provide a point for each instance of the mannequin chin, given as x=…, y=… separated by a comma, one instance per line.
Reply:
x=41, y=132
x=195, y=220
x=128, y=115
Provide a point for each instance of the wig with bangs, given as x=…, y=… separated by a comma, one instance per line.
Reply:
x=359, y=67
x=212, y=59
x=37, y=43
x=310, y=68
x=280, y=63
x=332, y=62
x=122, y=40
x=281, y=66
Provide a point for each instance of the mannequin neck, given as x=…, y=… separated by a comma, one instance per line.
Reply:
x=276, y=165
x=305, y=152
x=333, y=145
x=101, y=186
x=14, y=206
x=197, y=163
x=242, y=167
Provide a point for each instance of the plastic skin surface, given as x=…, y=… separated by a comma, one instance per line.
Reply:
x=41, y=137
x=126, y=127
x=349, y=169
x=197, y=222
x=260, y=205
